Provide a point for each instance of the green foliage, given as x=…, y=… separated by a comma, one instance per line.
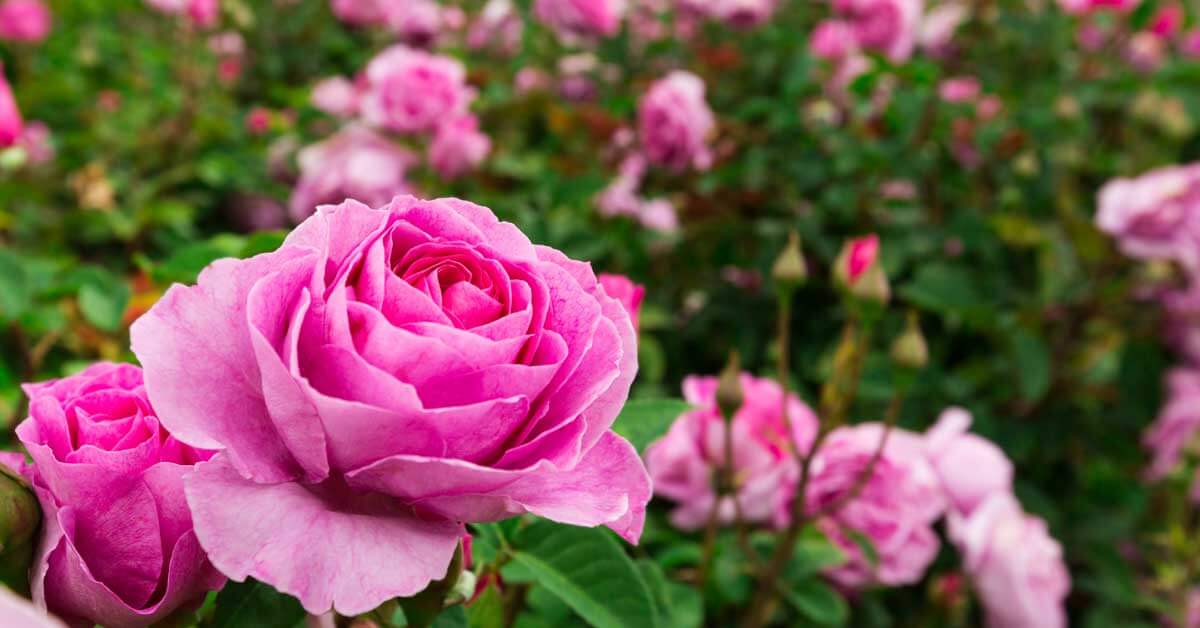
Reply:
x=252, y=604
x=642, y=421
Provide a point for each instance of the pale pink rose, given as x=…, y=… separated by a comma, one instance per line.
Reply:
x=357, y=163
x=411, y=90
x=574, y=19
x=336, y=96
x=741, y=13
x=1078, y=7
x=936, y=33
x=970, y=468
x=11, y=124
x=683, y=463
x=360, y=12
x=117, y=544
x=1016, y=566
x=887, y=26
x=529, y=80
x=385, y=377
x=620, y=197
x=894, y=511
x=1155, y=215
x=1177, y=424
x=35, y=139
x=624, y=290
x=415, y=22
x=204, y=12
x=1189, y=44
x=832, y=40
x=19, y=612
x=658, y=214
x=1191, y=616
x=959, y=89
x=675, y=122
x=24, y=20
x=498, y=27
x=458, y=147
x=1145, y=51
x=227, y=44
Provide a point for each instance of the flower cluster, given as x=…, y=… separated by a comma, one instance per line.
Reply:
x=1145, y=46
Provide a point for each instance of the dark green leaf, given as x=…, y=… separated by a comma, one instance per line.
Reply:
x=644, y=420
x=818, y=602
x=252, y=604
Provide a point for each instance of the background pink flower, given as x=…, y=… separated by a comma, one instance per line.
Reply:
x=458, y=147
x=355, y=163
x=969, y=467
x=411, y=90
x=24, y=20
x=11, y=124
x=1155, y=215
x=674, y=122
x=624, y=290
x=887, y=26
x=581, y=18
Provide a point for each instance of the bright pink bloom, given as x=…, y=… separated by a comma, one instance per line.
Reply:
x=683, y=463
x=894, y=511
x=1078, y=7
x=357, y=163
x=24, y=20
x=384, y=377
x=411, y=90
x=740, y=13
x=864, y=253
x=458, y=147
x=1016, y=566
x=959, y=89
x=969, y=467
x=336, y=96
x=624, y=290
x=1156, y=215
x=1167, y=22
x=258, y=120
x=832, y=40
x=675, y=122
x=415, y=22
x=204, y=12
x=581, y=18
x=887, y=26
x=117, y=544
x=498, y=27
x=11, y=124
x=360, y=12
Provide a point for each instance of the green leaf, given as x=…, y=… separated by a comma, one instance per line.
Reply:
x=488, y=609
x=814, y=553
x=252, y=604
x=589, y=571
x=103, y=302
x=1032, y=359
x=679, y=605
x=818, y=602
x=941, y=288
x=453, y=617
x=644, y=420
x=15, y=289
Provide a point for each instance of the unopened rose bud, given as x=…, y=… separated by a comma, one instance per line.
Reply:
x=910, y=349
x=860, y=272
x=790, y=270
x=729, y=388
x=20, y=517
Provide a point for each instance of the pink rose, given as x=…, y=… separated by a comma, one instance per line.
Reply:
x=969, y=467
x=498, y=27
x=1016, y=566
x=356, y=163
x=1189, y=44
x=360, y=12
x=832, y=40
x=581, y=18
x=887, y=26
x=741, y=13
x=336, y=96
x=959, y=89
x=384, y=377
x=936, y=33
x=1167, y=21
x=416, y=22
x=895, y=510
x=683, y=463
x=674, y=122
x=11, y=124
x=411, y=91
x=1146, y=51
x=1177, y=423
x=1156, y=215
x=624, y=290
x=24, y=20
x=18, y=611
x=458, y=147
x=117, y=543
x=35, y=139
x=1077, y=7
x=202, y=12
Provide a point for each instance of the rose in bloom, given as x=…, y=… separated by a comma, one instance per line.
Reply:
x=1156, y=215
x=411, y=90
x=11, y=124
x=1177, y=423
x=498, y=27
x=895, y=508
x=832, y=40
x=201, y=12
x=1189, y=44
x=117, y=543
x=624, y=290
x=887, y=26
x=936, y=33
x=360, y=12
x=458, y=147
x=684, y=463
x=1016, y=566
x=674, y=122
x=741, y=13
x=35, y=139
x=581, y=18
x=18, y=611
x=24, y=20
x=383, y=377
x=356, y=163
x=336, y=96
x=1078, y=7
x=959, y=89
x=969, y=467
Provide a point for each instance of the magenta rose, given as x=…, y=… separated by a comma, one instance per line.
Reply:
x=384, y=377
x=624, y=290
x=337, y=96
x=117, y=544
x=684, y=463
x=24, y=20
x=741, y=13
x=832, y=40
x=675, y=122
x=355, y=163
x=458, y=147
x=969, y=467
x=1177, y=424
x=1156, y=215
x=894, y=510
x=1016, y=566
x=11, y=124
x=411, y=91
x=581, y=18
x=889, y=27
x=360, y=12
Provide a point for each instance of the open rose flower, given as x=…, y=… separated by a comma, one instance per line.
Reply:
x=24, y=20
x=383, y=377
x=411, y=91
x=886, y=26
x=1177, y=424
x=1156, y=215
x=624, y=290
x=581, y=18
x=117, y=544
x=674, y=122
x=458, y=147
x=684, y=463
x=1016, y=566
x=970, y=467
x=356, y=163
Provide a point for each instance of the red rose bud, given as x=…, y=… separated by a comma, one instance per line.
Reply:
x=859, y=271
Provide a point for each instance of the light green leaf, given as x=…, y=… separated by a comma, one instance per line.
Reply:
x=818, y=602
x=487, y=611
x=15, y=289
x=642, y=421
x=103, y=303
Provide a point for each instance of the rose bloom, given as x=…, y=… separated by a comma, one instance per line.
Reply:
x=360, y=12
x=416, y=22
x=1016, y=566
x=117, y=544
x=498, y=27
x=18, y=611
x=970, y=468
x=1189, y=44
x=384, y=377
x=1177, y=424
x=887, y=26
x=458, y=147
x=832, y=40
x=581, y=18
x=674, y=122
x=411, y=90
x=741, y=13
x=1156, y=215
x=24, y=20
x=936, y=34
x=959, y=89
x=35, y=139
x=895, y=510
x=201, y=12
x=356, y=163
x=624, y=290
x=684, y=463
x=336, y=96
x=1077, y=7
x=11, y=124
